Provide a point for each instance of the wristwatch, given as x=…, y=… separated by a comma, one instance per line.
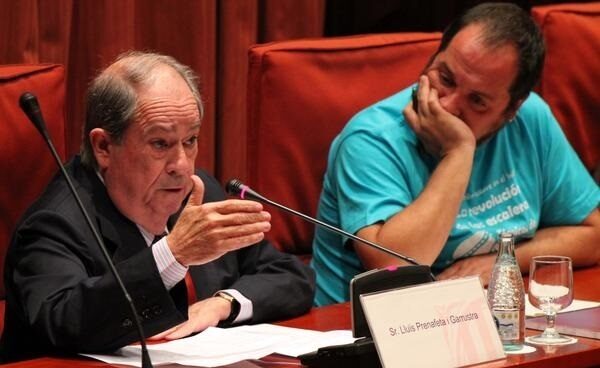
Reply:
x=235, y=305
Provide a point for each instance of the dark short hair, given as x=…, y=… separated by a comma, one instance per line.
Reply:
x=506, y=23
x=112, y=97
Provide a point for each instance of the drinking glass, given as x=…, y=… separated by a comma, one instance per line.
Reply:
x=550, y=289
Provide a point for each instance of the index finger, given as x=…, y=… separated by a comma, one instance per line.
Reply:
x=423, y=94
x=235, y=205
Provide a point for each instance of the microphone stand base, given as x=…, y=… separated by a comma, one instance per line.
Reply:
x=359, y=354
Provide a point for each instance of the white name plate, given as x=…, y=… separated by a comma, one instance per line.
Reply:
x=439, y=324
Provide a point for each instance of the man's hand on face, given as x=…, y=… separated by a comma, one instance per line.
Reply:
x=205, y=232
x=201, y=315
x=440, y=132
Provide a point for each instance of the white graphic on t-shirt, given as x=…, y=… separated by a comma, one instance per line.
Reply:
x=479, y=243
x=487, y=211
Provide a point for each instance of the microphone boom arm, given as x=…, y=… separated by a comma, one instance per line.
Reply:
x=235, y=187
x=30, y=106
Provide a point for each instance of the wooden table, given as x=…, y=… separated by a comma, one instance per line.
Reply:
x=585, y=353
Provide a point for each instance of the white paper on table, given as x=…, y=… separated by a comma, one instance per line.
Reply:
x=221, y=346
x=302, y=341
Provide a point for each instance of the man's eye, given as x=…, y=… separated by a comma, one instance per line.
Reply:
x=192, y=141
x=159, y=144
x=478, y=102
x=446, y=81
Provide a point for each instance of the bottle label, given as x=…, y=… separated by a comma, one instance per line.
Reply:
x=507, y=323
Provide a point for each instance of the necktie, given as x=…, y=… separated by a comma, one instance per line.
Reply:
x=189, y=282
x=158, y=237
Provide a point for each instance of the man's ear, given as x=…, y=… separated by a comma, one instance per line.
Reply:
x=101, y=144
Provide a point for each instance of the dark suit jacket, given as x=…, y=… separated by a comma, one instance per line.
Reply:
x=62, y=298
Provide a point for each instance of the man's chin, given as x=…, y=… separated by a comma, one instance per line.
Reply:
x=171, y=207
x=168, y=203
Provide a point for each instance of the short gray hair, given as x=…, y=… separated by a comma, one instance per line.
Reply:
x=112, y=97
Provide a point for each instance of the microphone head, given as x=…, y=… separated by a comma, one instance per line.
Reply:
x=27, y=99
x=234, y=187
x=29, y=103
x=31, y=107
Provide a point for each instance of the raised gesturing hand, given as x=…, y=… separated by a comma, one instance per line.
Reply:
x=206, y=231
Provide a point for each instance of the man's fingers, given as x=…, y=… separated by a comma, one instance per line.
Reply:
x=423, y=94
x=162, y=335
x=183, y=330
x=240, y=219
x=222, y=227
x=434, y=103
x=242, y=241
x=234, y=205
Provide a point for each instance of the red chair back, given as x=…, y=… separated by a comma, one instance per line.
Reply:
x=571, y=73
x=26, y=163
x=300, y=95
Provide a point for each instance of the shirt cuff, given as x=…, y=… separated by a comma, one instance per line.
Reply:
x=246, y=310
x=171, y=271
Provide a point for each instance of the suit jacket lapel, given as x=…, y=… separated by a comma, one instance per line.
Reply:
x=121, y=236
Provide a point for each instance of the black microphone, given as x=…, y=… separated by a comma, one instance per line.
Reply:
x=367, y=282
x=236, y=188
x=29, y=104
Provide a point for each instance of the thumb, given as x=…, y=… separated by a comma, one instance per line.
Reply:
x=197, y=191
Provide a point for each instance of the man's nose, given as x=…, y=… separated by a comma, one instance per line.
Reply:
x=450, y=101
x=179, y=161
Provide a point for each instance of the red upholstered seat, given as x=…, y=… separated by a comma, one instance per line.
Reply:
x=571, y=78
x=26, y=164
x=300, y=95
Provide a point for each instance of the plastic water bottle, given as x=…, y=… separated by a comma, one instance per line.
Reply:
x=506, y=295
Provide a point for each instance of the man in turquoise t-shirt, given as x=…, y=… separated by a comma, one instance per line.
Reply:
x=477, y=154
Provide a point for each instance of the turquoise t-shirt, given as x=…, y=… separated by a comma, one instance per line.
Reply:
x=525, y=177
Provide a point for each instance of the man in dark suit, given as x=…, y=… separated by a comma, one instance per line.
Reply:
x=158, y=220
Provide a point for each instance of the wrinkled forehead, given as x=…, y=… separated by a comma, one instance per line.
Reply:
x=167, y=89
x=492, y=64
